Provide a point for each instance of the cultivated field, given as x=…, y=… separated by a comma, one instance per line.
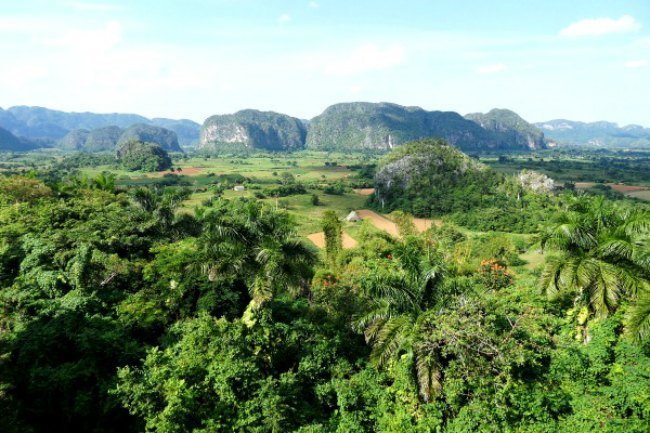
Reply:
x=379, y=221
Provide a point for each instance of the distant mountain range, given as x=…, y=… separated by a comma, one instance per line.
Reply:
x=108, y=138
x=346, y=126
x=364, y=126
x=606, y=134
x=10, y=142
x=42, y=126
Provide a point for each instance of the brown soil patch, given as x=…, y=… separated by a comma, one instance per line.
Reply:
x=423, y=224
x=187, y=171
x=615, y=186
x=318, y=239
x=364, y=191
x=643, y=195
x=379, y=221
x=383, y=223
x=626, y=188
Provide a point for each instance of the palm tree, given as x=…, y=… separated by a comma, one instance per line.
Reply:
x=602, y=255
x=251, y=242
x=400, y=293
x=104, y=181
x=147, y=198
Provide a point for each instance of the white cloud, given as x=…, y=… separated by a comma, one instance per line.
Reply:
x=94, y=7
x=491, y=69
x=284, y=18
x=367, y=57
x=601, y=26
x=88, y=40
x=314, y=5
x=356, y=89
x=18, y=24
x=636, y=63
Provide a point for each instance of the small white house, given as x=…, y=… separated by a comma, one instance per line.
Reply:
x=239, y=188
x=353, y=217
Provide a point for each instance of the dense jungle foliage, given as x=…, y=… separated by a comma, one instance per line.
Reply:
x=123, y=310
x=135, y=155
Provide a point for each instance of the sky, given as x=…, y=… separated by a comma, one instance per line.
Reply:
x=578, y=60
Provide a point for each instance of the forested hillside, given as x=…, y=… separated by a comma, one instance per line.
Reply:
x=123, y=308
x=364, y=125
x=510, y=128
x=252, y=130
x=601, y=134
x=49, y=126
x=9, y=142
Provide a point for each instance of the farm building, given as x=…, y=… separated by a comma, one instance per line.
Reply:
x=353, y=217
x=239, y=188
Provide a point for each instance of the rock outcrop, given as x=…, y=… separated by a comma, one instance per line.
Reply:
x=383, y=126
x=165, y=138
x=411, y=176
x=510, y=130
x=252, y=129
x=136, y=155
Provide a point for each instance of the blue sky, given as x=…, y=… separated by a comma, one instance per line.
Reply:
x=581, y=60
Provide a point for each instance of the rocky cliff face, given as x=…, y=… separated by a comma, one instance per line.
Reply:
x=364, y=125
x=151, y=134
x=536, y=182
x=416, y=170
x=252, y=129
x=509, y=129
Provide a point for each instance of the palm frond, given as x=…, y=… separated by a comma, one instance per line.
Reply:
x=429, y=374
x=391, y=338
x=551, y=279
x=380, y=311
x=604, y=284
x=638, y=318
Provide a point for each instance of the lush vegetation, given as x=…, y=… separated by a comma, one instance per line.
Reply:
x=252, y=129
x=9, y=142
x=133, y=302
x=509, y=127
x=95, y=140
x=48, y=127
x=136, y=155
x=430, y=178
x=151, y=134
x=364, y=125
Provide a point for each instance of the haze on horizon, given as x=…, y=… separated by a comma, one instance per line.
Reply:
x=582, y=60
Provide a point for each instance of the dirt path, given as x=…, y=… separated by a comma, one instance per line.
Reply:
x=383, y=223
x=379, y=221
x=319, y=240
x=423, y=224
x=364, y=191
